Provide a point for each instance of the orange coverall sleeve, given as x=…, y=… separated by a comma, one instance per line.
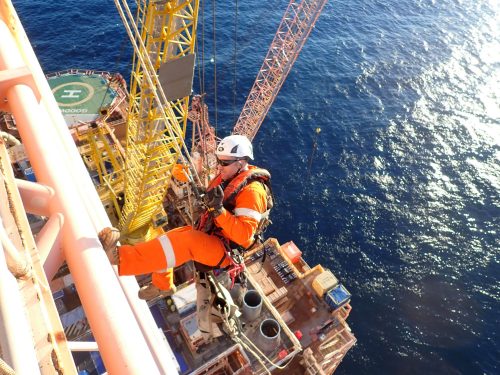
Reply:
x=240, y=227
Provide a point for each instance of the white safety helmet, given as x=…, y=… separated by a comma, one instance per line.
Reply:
x=235, y=146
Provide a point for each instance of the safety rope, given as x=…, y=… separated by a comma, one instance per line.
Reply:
x=236, y=266
x=201, y=75
x=256, y=356
x=235, y=58
x=190, y=205
x=214, y=42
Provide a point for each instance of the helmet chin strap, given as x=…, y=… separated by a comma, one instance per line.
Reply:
x=241, y=167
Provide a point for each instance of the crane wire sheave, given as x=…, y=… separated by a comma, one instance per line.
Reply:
x=155, y=127
x=295, y=27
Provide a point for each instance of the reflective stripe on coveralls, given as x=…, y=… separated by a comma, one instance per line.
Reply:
x=246, y=191
x=187, y=243
x=165, y=278
x=241, y=226
x=245, y=223
x=166, y=245
x=248, y=213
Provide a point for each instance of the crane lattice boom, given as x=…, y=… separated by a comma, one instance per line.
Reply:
x=168, y=32
x=297, y=23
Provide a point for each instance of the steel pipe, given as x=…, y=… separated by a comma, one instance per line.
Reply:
x=83, y=346
x=37, y=198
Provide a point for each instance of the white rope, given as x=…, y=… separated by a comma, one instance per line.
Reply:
x=237, y=340
x=264, y=356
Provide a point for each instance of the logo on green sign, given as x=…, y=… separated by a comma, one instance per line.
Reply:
x=73, y=93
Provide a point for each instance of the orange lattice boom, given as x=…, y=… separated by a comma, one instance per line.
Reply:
x=297, y=23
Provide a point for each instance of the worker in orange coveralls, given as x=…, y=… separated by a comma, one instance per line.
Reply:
x=237, y=200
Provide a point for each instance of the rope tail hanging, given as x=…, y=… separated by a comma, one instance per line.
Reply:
x=234, y=330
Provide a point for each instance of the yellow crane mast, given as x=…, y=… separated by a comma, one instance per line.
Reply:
x=164, y=43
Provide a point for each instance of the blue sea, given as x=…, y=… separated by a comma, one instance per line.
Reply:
x=398, y=194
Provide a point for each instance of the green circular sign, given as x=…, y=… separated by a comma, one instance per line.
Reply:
x=73, y=93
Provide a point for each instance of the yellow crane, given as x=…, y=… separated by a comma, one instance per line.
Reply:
x=163, y=35
x=157, y=123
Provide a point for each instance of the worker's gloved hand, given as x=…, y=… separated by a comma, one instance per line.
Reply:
x=213, y=200
x=109, y=238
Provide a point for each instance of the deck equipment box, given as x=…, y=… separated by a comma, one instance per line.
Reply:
x=324, y=282
x=292, y=252
x=337, y=297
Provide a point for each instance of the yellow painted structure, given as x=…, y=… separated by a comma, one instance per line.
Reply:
x=155, y=133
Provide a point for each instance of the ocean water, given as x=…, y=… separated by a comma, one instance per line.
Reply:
x=402, y=196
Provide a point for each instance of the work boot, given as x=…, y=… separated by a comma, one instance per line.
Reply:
x=109, y=238
x=151, y=291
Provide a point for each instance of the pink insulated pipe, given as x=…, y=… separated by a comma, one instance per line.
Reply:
x=48, y=243
x=36, y=198
x=117, y=333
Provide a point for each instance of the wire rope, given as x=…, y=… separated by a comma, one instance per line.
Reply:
x=203, y=69
x=202, y=85
x=235, y=59
x=198, y=66
x=214, y=43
